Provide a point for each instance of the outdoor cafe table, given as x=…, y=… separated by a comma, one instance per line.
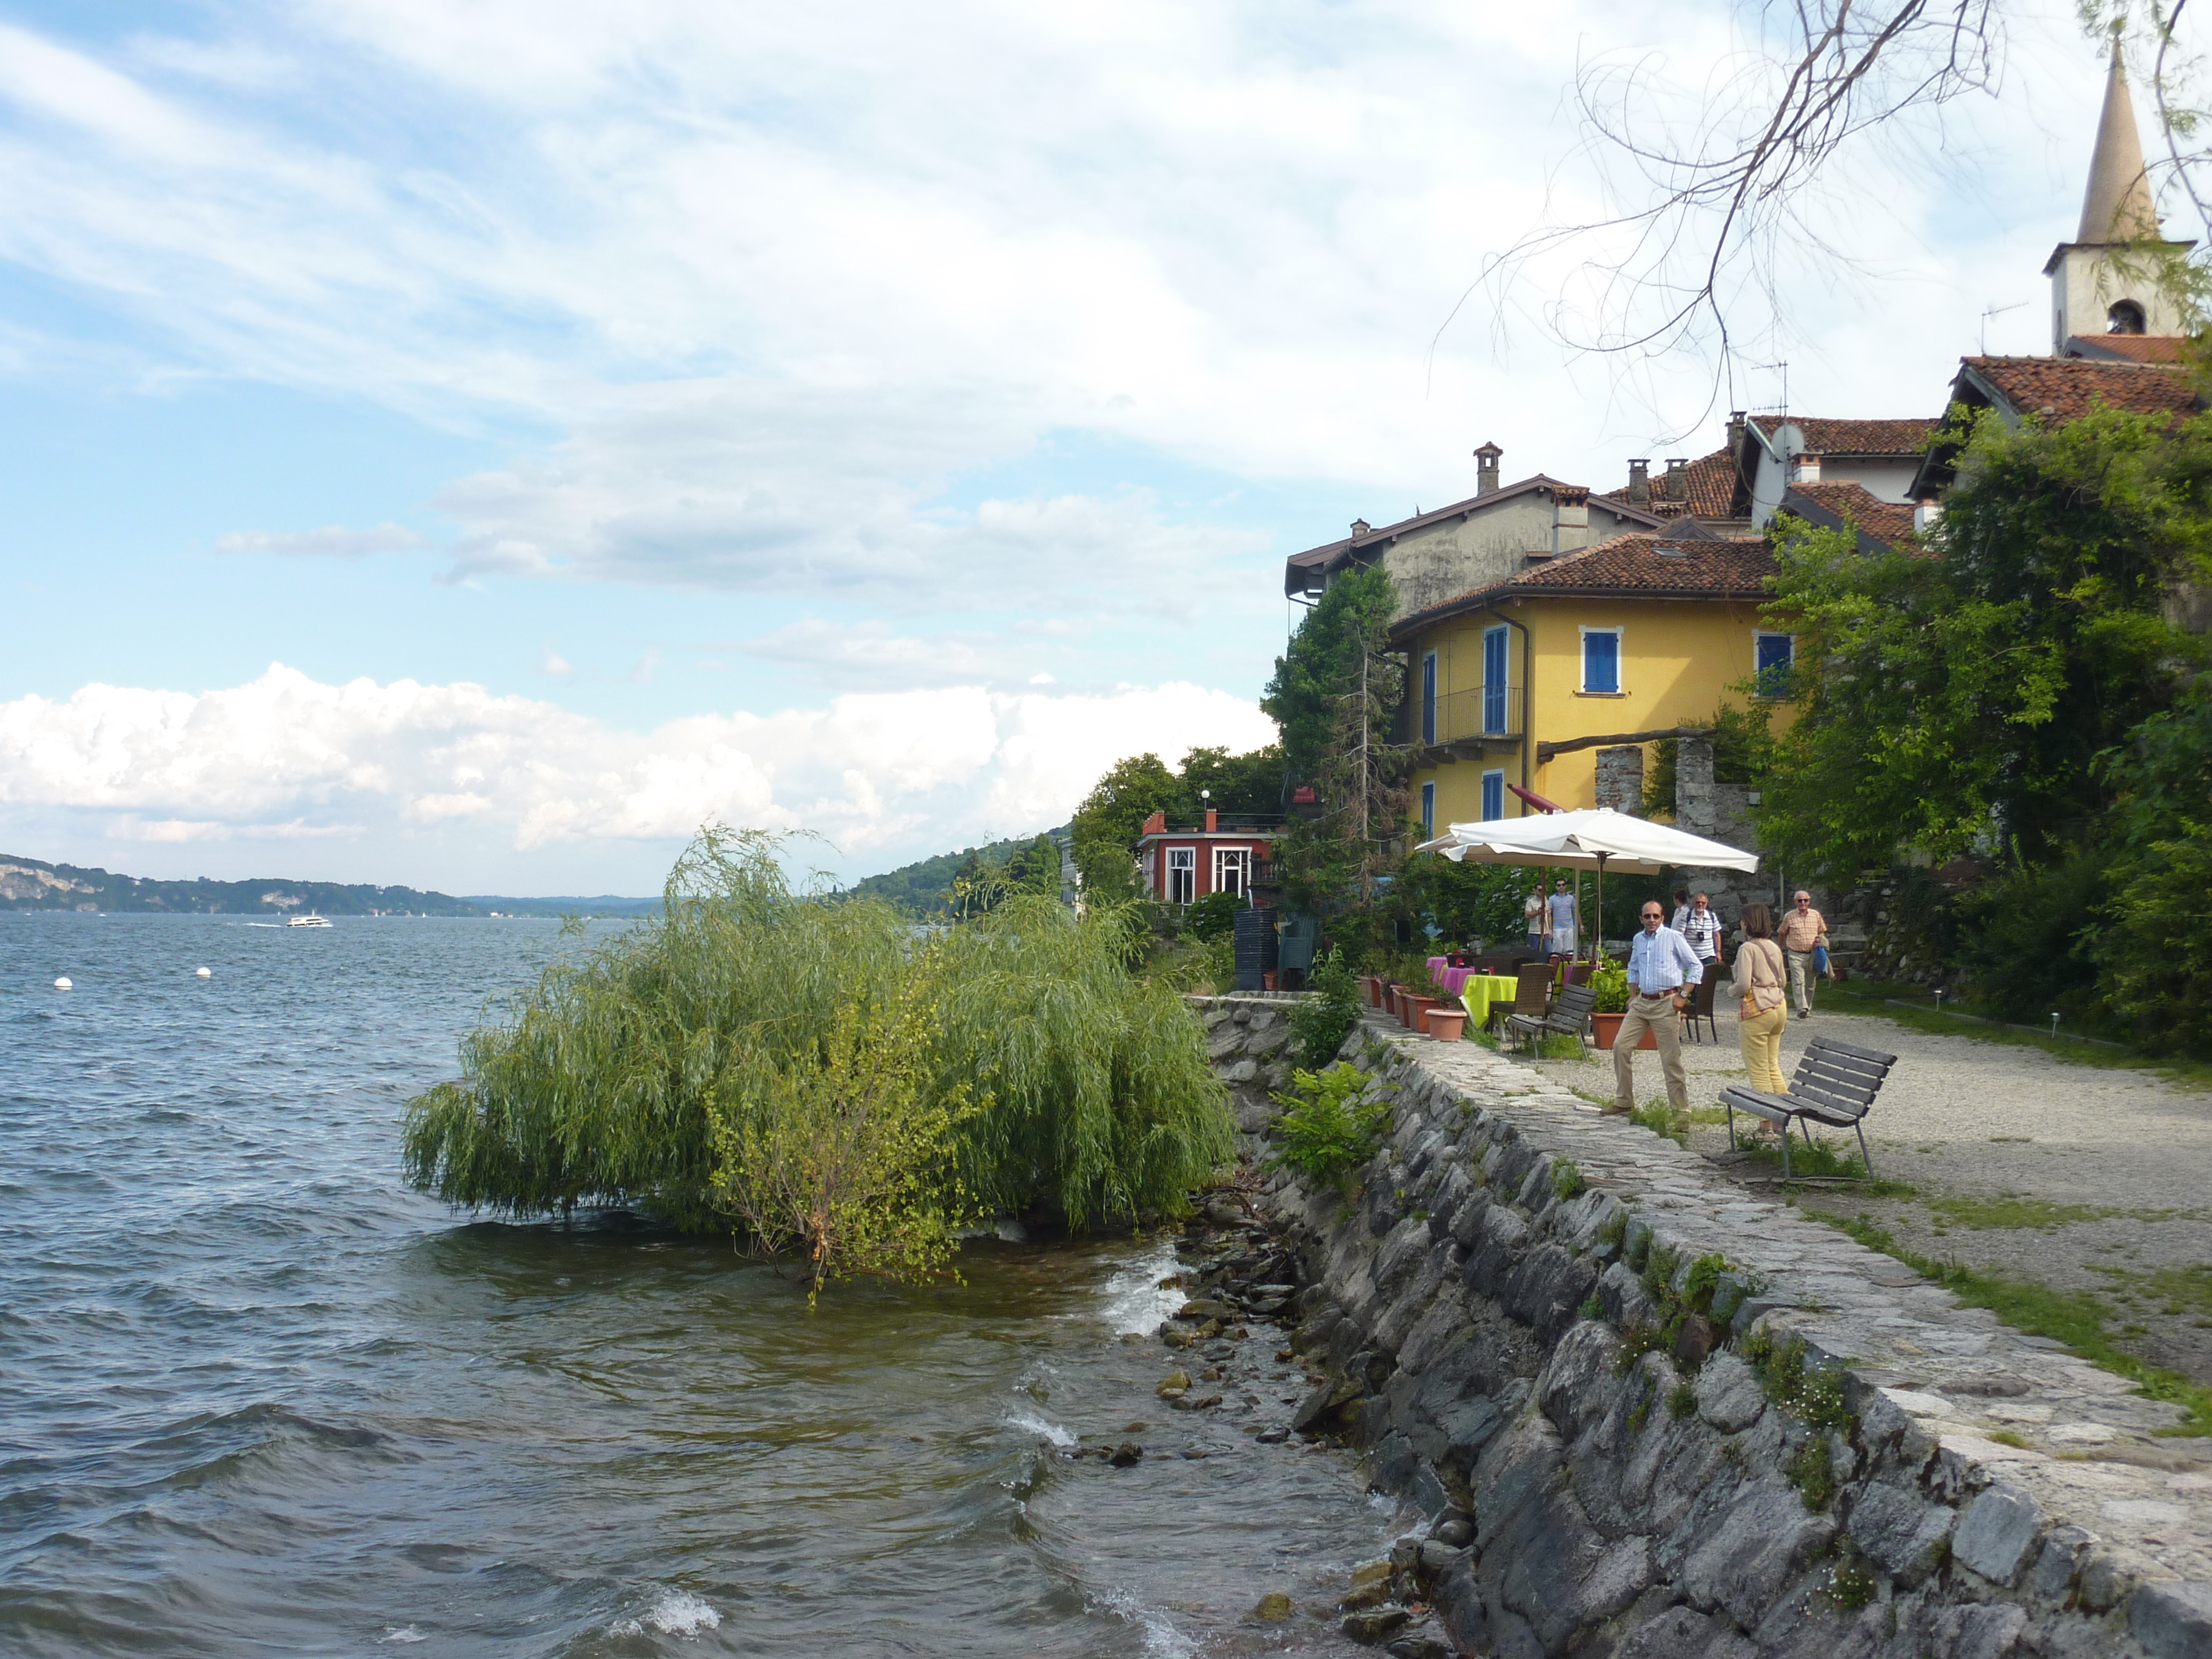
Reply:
x=1479, y=991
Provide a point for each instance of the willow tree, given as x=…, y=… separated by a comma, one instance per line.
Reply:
x=808, y=1074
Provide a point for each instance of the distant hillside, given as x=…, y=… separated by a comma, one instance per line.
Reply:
x=925, y=889
x=31, y=884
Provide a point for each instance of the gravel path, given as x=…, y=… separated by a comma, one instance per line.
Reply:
x=2079, y=1176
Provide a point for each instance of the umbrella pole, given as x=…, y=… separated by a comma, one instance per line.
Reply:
x=1597, y=939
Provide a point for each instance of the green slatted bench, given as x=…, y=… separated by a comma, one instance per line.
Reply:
x=1569, y=1014
x=1835, y=1085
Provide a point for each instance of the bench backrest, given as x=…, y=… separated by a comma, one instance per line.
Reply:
x=1840, y=1076
x=1572, y=1008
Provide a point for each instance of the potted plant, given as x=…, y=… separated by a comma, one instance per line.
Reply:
x=1448, y=1022
x=1611, y=985
x=1417, y=1004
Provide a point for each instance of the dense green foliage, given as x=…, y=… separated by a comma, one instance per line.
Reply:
x=1212, y=916
x=1335, y=689
x=1326, y=1130
x=1743, y=752
x=1014, y=1062
x=1320, y=1023
x=925, y=888
x=1112, y=816
x=2021, y=712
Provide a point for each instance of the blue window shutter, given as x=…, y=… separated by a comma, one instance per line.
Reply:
x=1428, y=811
x=1429, y=698
x=1775, y=654
x=1601, y=662
x=1493, y=795
x=1493, y=679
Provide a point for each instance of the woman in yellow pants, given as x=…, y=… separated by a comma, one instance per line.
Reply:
x=1761, y=987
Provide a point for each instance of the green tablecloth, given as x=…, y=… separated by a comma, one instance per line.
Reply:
x=1483, y=989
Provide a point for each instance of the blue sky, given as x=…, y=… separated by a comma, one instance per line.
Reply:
x=469, y=444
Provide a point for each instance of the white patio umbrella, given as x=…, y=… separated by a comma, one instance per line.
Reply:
x=1592, y=838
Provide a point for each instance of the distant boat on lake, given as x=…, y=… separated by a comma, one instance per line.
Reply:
x=308, y=921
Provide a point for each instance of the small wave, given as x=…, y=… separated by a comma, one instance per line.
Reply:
x=401, y=1633
x=1162, y=1639
x=1030, y=1422
x=672, y=1612
x=1135, y=1302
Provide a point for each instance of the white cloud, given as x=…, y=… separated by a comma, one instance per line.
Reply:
x=331, y=541
x=285, y=756
x=552, y=662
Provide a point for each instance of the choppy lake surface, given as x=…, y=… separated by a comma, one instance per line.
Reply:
x=256, y=1398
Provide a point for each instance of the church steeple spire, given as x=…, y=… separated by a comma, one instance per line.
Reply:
x=2117, y=206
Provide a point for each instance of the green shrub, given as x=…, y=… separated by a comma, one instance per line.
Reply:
x=1566, y=1180
x=1611, y=988
x=1214, y=916
x=1326, y=1130
x=1322, y=1021
x=635, y=1072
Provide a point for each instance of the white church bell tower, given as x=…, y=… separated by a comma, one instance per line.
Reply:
x=2104, y=282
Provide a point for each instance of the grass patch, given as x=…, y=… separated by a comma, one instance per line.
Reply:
x=1558, y=1048
x=1660, y=1118
x=2075, y=1318
x=1821, y=1158
x=1566, y=1180
x=2014, y=1210
x=2180, y=1291
x=1865, y=996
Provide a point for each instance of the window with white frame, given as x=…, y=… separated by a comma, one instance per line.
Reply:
x=1773, y=655
x=1231, y=867
x=1428, y=811
x=1493, y=795
x=1182, y=874
x=1602, y=661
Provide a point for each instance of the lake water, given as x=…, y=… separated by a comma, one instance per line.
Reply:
x=256, y=1398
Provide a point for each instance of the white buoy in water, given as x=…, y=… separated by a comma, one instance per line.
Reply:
x=63, y=984
x=202, y=973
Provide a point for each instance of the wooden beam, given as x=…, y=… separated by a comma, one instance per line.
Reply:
x=1546, y=750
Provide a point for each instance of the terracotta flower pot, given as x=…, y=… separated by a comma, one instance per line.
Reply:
x=1606, y=1027
x=1448, y=1024
x=1371, y=989
x=1420, y=1007
x=1399, y=1011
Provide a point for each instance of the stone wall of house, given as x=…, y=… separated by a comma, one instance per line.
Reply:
x=1620, y=777
x=1650, y=1416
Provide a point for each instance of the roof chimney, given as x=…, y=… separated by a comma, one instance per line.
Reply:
x=1360, y=527
x=1639, y=482
x=1735, y=432
x=1485, y=468
x=2117, y=206
x=1570, y=518
x=1678, y=478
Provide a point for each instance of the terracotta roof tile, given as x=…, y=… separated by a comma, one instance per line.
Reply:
x=2068, y=387
x=1712, y=490
x=1826, y=437
x=1886, y=521
x=2134, y=348
x=1705, y=566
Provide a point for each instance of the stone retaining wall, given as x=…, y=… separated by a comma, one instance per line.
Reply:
x=1679, y=1421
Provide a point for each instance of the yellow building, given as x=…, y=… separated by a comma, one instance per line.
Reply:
x=1523, y=681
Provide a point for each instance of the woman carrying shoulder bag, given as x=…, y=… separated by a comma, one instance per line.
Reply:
x=1761, y=987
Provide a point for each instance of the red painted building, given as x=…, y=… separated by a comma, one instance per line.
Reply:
x=1183, y=864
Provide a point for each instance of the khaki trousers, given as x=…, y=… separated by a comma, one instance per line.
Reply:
x=1802, y=979
x=1655, y=1015
x=1760, y=1038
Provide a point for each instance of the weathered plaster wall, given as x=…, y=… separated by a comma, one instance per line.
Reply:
x=1482, y=1326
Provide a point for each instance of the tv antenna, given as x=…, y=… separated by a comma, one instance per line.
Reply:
x=1988, y=312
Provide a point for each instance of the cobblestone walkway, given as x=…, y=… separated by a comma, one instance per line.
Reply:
x=2083, y=1177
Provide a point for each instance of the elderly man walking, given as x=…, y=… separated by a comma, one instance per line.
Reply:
x=1660, y=964
x=1802, y=929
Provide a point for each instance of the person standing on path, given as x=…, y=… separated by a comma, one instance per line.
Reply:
x=1532, y=918
x=1701, y=928
x=1760, y=987
x=1562, y=920
x=1660, y=964
x=1802, y=930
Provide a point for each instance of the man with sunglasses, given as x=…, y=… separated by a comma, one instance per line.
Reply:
x=1661, y=966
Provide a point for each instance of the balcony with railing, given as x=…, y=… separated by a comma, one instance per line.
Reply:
x=1462, y=724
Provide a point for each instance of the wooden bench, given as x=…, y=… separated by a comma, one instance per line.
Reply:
x=1835, y=1085
x=1568, y=1016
